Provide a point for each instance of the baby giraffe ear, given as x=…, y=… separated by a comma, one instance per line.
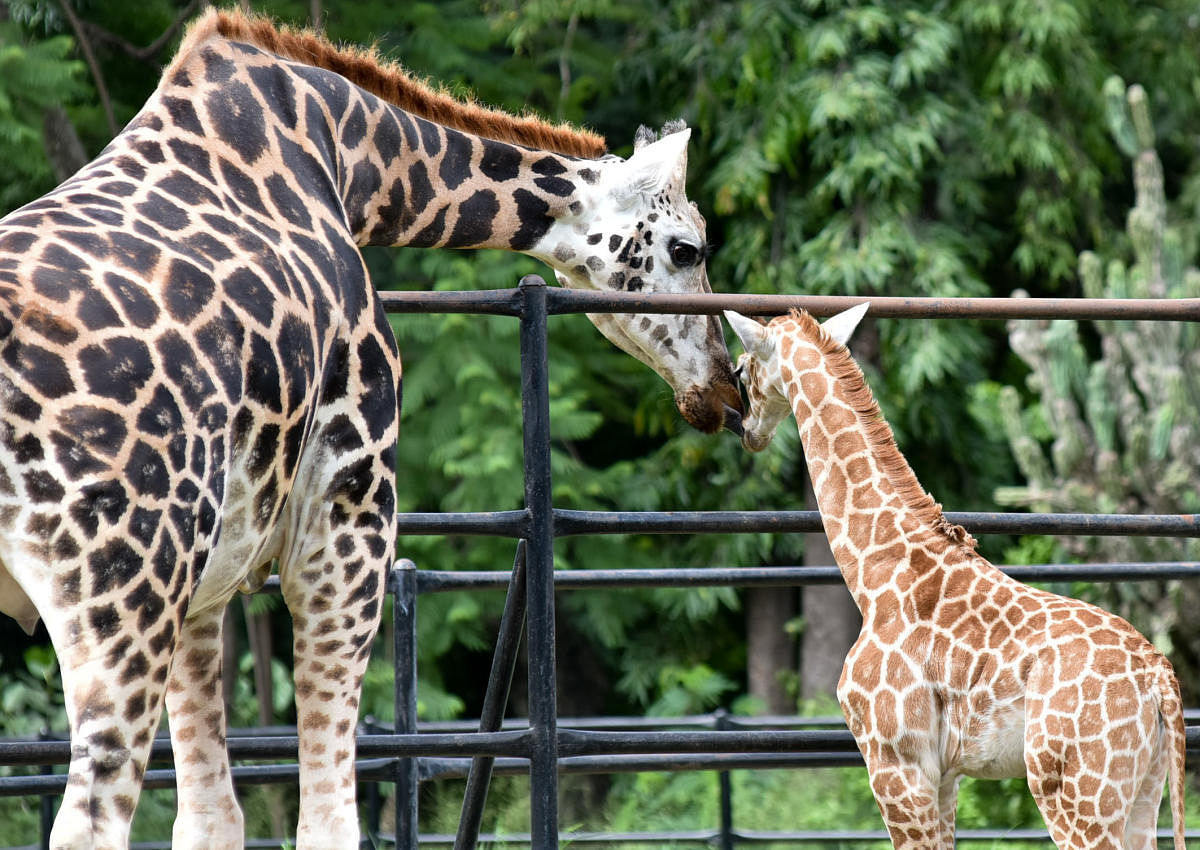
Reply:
x=841, y=326
x=753, y=335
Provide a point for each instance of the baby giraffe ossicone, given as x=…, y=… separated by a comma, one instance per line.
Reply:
x=960, y=670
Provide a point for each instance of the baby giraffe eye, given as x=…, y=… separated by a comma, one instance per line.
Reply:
x=684, y=255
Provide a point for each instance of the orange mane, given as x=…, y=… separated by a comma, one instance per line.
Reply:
x=366, y=69
x=879, y=436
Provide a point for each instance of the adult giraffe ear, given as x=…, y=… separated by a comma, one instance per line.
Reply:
x=654, y=164
x=753, y=335
x=841, y=326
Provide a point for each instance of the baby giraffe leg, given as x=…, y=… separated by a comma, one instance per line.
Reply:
x=909, y=800
x=1142, y=828
x=948, y=809
x=208, y=812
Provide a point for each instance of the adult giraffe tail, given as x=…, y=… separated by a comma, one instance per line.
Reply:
x=1170, y=707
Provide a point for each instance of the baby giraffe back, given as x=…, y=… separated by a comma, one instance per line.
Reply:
x=960, y=670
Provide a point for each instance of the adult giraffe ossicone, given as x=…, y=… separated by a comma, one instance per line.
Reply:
x=960, y=670
x=198, y=380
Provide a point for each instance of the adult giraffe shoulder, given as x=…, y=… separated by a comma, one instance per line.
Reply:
x=960, y=670
x=197, y=380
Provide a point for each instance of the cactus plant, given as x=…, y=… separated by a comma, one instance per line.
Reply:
x=1119, y=399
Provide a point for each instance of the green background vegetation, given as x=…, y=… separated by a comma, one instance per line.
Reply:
x=952, y=148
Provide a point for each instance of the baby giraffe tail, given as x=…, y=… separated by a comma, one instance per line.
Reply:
x=1170, y=706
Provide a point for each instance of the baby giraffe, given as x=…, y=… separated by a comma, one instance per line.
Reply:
x=960, y=670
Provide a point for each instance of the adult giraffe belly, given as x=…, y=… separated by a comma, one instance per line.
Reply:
x=295, y=533
x=15, y=602
x=241, y=557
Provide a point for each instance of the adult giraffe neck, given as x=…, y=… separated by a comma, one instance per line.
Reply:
x=390, y=176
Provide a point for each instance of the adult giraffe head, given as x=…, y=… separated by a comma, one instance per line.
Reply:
x=632, y=228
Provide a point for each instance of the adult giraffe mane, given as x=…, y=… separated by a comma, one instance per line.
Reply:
x=880, y=439
x=365, y=68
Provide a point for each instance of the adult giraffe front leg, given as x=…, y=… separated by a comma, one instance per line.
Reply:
x=208, y=812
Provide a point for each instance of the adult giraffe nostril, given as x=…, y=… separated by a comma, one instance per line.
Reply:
x=733, y=420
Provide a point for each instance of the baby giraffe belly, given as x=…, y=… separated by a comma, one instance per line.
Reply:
x=994, y=744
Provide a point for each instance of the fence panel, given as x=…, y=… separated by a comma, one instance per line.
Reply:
x=409, y=752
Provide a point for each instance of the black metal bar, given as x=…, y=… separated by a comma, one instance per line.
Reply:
x=575, y=742
x=498, y=302
x=1161, y=309
x=570, y=522
x=707, y=837
x=456, y=768
x=687, y=721
x=495, y=700
x=535, y=411
x=512, y=743
x=507, y=302
x=496, y=523
x=724, y=793
x=404, y=644
x=367, y=770
x=430, y=581
x=46, y=803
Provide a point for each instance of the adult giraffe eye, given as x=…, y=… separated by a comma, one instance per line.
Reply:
x=684, y=255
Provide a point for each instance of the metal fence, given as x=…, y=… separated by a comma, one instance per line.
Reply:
x=545, y=745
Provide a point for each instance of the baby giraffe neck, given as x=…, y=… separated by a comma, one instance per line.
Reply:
x=875, y=513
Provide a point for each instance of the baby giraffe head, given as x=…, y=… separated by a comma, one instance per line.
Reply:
x=768, y=365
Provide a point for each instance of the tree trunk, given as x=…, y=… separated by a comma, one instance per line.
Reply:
x=63, y=147
x=831, y=619
x=770, y=650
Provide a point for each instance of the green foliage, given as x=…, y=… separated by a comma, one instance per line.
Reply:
x=34, y=76
x=1119, y=409
x=1117, y=406
x=32, y=700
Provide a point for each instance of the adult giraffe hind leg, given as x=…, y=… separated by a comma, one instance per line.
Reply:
x=333, y=576
x=113, y=694
x=208, y=813
x=335, y=607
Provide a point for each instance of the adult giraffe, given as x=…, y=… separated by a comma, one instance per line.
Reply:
x=960, y=670
x=197, y=379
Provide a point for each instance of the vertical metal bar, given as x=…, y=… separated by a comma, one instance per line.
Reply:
x=725, y=791
x=495, y=700
x=535, y=410
x=47, y=800
x=404, y=644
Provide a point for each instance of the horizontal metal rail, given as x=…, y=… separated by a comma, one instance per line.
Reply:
x=559, y=301
x=708, y=838
x=435, y=581
x=572, y=522
x=511, y=743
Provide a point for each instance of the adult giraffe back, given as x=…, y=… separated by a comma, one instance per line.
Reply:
x=198, y=380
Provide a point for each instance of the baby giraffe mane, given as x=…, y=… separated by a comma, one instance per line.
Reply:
x=366, y=69
x=880, y=439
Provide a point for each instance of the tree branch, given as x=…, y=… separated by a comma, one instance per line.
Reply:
x=94, y=66
x=151, y=50
x=564, y=64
